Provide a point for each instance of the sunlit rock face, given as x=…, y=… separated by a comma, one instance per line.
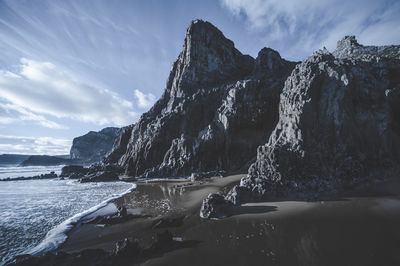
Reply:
x=339, y=124
x=217, y=107
x=349, y=48
x=93, y=146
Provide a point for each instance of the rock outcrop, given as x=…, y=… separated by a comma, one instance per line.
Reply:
x=73, y=171
x=349, y=48
x=338, y=125
x=94, y=173
x=93, y=146
x=217, y=107
x=215, y=206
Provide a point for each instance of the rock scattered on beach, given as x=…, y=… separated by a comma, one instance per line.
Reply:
x=215, y=206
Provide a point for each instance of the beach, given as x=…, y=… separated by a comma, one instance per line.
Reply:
x=35, y=214
x=358, y=227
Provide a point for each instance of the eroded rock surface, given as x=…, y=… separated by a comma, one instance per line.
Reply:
x=218, y=106
x=215, y=206
x=338, y=126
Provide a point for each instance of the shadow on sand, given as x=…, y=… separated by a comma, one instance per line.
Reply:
x=238, y=210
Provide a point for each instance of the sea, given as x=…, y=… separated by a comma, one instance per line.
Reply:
x=35, y=215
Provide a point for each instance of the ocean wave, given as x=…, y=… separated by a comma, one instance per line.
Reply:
x=56, y=236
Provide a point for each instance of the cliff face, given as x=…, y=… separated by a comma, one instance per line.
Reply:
x=217, y=107
x=93, y=146
x=338, y=125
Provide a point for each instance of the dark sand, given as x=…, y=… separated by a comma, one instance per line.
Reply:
x=356, y=228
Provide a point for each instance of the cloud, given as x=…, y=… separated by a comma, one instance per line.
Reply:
x=34, y=145
x=301, y=27
x=144, y=100
x=42, y=88
x=11, y=114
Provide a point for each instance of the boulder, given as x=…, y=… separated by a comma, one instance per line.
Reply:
x=68, y=170
x=215, y=206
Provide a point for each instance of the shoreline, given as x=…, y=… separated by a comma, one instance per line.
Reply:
x=255, y=231
x=59, y=234
x=286, y=231
x=174, y=187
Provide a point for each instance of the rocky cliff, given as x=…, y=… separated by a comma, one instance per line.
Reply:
x=217, y=107
x=93, y=146
x=339, y=125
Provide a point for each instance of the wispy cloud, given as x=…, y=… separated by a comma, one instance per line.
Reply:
x=42, y=88
x=34, y=145
x=14, y=114
x=144, y=100
x=300, y=27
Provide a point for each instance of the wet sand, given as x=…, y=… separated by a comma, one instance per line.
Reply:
x=356, y=228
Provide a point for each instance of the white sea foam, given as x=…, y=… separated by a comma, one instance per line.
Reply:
x=56, y=236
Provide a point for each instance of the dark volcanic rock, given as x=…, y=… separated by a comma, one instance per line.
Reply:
x=69, y=170
x=338, y=125
x=102, y=173
x=92, y=147
x=217, y=107
x=94, y=173
x=215, y=206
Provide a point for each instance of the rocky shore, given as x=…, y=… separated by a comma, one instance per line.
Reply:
x=93, y=173
x=165, y=229
x=301, y=130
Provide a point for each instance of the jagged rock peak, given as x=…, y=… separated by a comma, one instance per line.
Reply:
x=207, y=59
x=269, y=63
x=204, y=31
x=349, y=48
x=347, y=41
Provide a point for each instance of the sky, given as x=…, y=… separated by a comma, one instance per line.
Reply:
x=69, y=67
